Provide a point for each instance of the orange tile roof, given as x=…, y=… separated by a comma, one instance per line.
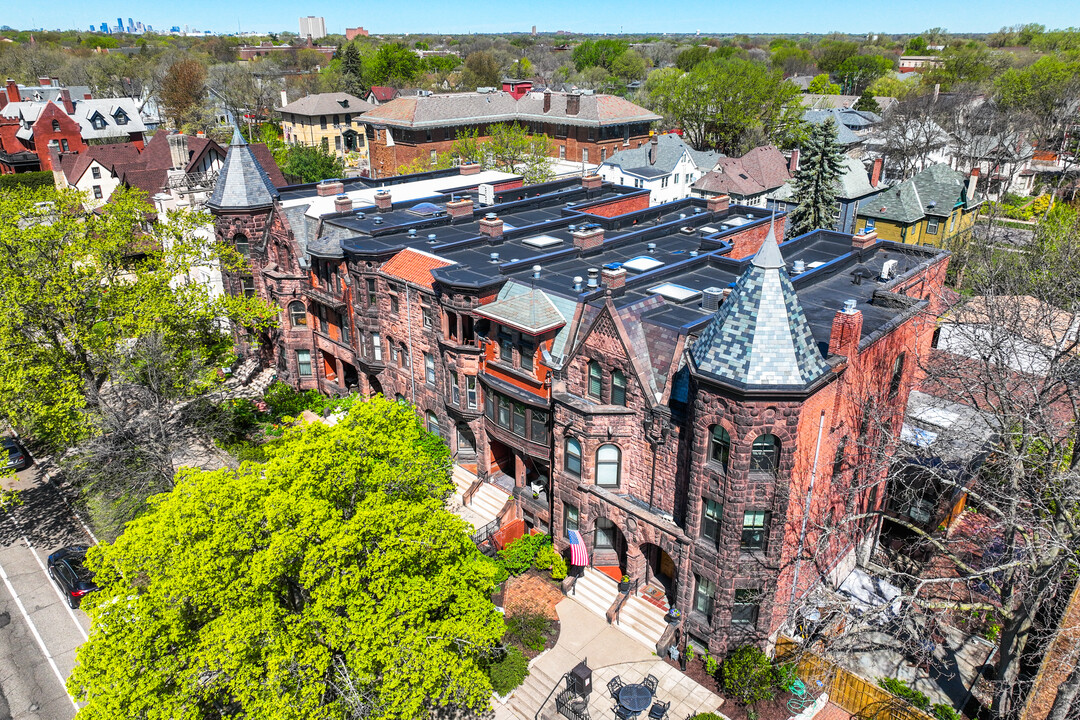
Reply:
x=415, y=266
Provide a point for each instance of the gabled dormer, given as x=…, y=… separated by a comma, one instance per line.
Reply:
x=120, y=116
x=97, y=121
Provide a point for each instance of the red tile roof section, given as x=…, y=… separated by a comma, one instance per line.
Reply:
x=415, y=266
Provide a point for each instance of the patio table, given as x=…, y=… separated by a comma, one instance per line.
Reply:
x=635, y=698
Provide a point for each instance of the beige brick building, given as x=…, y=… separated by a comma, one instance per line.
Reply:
x=331, y=120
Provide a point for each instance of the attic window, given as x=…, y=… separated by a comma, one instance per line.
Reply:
x=541, y=241
x=121, y=117
x=642, y=263
x=344, y=103
x=98, y=121
x=675, y=293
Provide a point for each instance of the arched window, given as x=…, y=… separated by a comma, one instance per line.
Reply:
x=572, y=457
x=618, y=388
x=432, y=423
x=240, y=242
x=297, y=314
x=719, y=446
x=608, y=465
x=765, y=454
x=595, y=385
x=56, y=126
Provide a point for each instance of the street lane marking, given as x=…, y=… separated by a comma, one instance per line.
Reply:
x=71, y=509
x=37, y=635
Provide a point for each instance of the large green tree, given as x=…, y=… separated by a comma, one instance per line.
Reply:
x=308, y=164
x=819, y=170
x=82, y=294
x=329, y=582
x=730, y=104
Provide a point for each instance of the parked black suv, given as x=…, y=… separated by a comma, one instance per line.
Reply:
x=66, y=568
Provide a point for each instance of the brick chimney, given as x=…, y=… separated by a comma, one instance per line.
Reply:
x=459, y=210
x=846, y=331
x=591, y=182
x=44, y=82
x=471, y=168
x=87, y=96
x=864, y=240
x=613, y=279
x=654, y=148
x=588, y=238
x=65, y=98
x=178, y=151
x=718, y=203
x=573, y=103
x=972, y=184
x=383, y=203
x=547, y=101
x=342, y=203
x=12, y=89
x=329, y=187
x=793, y=161
x=875, y=171
x=491, y=226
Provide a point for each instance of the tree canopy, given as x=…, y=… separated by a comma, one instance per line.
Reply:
x=820, y=167
x=329, y=582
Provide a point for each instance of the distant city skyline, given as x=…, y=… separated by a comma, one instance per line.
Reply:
x=631, y=16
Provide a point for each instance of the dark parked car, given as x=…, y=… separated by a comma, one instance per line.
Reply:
x=17, y=457
x=66, y=568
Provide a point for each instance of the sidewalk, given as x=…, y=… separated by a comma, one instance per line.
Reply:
x=609, y=652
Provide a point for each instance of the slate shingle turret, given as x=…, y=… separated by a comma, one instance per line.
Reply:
x=242, y=183
x=759, y=338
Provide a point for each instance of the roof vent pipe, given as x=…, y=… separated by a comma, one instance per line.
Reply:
x=799, y=267
x=431, y=238
x=536, y=271
x=412, y=232
x=494, y=257
x=594, y=277
x=849, y=306
x=652, y=247
x=577, y=283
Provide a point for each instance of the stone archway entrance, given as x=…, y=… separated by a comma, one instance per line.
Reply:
x=609, y=548
x=660, y=570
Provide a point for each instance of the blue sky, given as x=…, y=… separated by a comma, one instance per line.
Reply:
x=485, y=16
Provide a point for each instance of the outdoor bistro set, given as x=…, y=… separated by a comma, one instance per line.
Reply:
x=631, y=700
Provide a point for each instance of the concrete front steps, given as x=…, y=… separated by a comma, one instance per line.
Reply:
x=484, y=506
x=638, y=619
x=531, y=694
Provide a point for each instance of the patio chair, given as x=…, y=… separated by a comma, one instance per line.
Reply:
x=651, y=683
x=614, y=685
x=622, y=713
x=659, y=710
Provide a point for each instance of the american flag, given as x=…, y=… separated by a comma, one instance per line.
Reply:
x=578, y=554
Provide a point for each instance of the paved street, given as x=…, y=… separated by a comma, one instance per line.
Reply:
x=38, y=632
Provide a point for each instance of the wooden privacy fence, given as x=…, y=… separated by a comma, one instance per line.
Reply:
x=857, y=695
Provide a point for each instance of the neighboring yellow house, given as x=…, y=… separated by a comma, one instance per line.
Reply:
x=331, y=120
x=926, y=209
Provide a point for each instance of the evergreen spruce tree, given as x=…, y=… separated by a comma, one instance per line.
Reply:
x=867, y=103
x=352, y=69
x=820, y=167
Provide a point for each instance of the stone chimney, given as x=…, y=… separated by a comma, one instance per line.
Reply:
x=460, y=210
x=383, y=203
x=12, y=89
x=328, y=188
x=342, y=203
x=613, y=279
x=547, y=101
x=471, y=168
x=573, y=103
x=972, y=184
x=718, y=203
x=846, y=331
x=178, y=151
x=793, y=161
x=65, y=98
x=864, y=240
x=491, y=226
x=654, y=148
x=588, y=238
x=875, y=171
x=591, y=182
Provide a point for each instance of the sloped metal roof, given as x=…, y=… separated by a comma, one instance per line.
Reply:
x=242, y=183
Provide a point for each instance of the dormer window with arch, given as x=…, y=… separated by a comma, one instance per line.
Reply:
x=719, y=446
x=765, y=454
x=56, y=126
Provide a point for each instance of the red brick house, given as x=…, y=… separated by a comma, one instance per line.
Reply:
x=676, y=383
x=584, y=127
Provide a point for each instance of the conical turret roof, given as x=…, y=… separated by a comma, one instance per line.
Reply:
x=242, y=184
x=759, y=338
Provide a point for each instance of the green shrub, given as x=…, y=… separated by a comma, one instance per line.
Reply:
x=244, y=450
x=706, y=716
x=27, y=179
x=786, y=675
x=283, y=400
x=501, y=573
x=945, y=712
x=711, y=664
x=748, y=675
x=528, y=627
x=904, y=691
x=509, y=671
x=547, y=558
x=518, y=556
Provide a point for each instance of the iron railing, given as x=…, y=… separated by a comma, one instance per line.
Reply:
x=622, y=599
x=484, y=538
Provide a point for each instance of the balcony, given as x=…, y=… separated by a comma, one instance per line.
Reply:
x=324, y=298
x=540, y=451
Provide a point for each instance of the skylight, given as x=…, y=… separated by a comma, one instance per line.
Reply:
x=425, y=209
x=642, y=263
x=675, y=293
x=541, y=241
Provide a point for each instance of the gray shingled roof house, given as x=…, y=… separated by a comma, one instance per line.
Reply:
x=661, y=157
